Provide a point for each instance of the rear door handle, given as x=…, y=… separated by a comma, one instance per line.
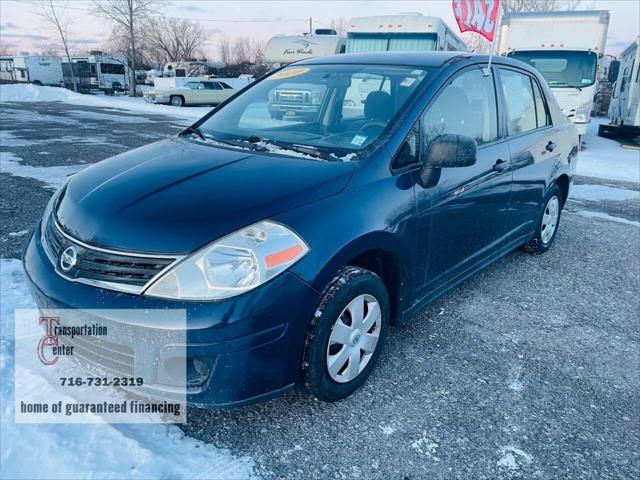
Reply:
x=500, y=165
x=550, y=147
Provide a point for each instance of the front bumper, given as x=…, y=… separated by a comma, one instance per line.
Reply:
x=157, y=99
x=253, y=342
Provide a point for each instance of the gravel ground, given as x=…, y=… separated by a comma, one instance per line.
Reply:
x=529, y=369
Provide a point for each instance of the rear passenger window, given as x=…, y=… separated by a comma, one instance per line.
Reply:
x=467, y=106
x=542, y=112
x=518, y=95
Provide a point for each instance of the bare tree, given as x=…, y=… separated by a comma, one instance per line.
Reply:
x=242, y=50
x=128, y=14
x=340, y=25
x=173, y=39
x=225, y=50
x=54, y=14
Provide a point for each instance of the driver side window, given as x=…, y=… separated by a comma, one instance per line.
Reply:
x=466, y=106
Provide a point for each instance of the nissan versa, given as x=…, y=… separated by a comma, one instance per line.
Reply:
x=294, y=243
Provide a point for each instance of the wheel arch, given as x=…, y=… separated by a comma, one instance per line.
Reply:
x=383, y=254
x=563, y=183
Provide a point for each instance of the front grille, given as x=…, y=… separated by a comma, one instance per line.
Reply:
x=107, y=268
x=293, y=96
x=101, y=356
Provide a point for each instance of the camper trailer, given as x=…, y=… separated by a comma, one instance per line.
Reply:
x=624, y=110
x=566, y=48
x=97, y=71
x=34, y=69
x=413, y=31
x=284, y=49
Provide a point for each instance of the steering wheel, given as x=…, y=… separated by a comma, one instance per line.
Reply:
x=373, y=127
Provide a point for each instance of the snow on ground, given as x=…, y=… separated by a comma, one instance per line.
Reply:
x=597, y=193
x=53, y=177
x=605, y=158
x=606, y=216
x=34, y=93
x=54, y=451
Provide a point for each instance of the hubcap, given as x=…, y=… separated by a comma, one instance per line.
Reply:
x=354, y=338
x=550, y=219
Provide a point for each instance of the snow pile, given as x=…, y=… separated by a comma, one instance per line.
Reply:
x=605, y=158
x=33, y=451
x=34, y=93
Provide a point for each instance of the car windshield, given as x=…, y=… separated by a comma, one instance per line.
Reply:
x=330, y=109
x=562, y=68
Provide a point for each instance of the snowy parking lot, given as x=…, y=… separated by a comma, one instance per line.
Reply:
x=529, y=369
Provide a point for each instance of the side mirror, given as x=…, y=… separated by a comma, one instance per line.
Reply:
x=447, y=151
x=451, y=150
x=614, y=69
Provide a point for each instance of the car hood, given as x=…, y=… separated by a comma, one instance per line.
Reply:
x=177, y=195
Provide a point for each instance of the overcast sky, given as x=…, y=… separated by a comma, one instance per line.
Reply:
x=21, y=29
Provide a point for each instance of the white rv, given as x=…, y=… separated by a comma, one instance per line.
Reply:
x=32, y=69
x=401, y=32
x=98, y=71
x=624, y=110
x=565, y=47
x=284, y=49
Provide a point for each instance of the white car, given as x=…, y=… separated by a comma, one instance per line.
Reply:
x=199, y=92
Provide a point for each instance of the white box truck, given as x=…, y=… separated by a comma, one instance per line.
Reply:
x=565, y=47
x=411, y=31
x=624, y=110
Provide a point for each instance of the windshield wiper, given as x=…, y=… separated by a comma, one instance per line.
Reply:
x=196, y=131
x=312, y=152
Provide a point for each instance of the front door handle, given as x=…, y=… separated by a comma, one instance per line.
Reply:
x=550, y=147
x=500, y=165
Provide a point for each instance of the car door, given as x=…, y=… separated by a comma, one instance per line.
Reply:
x=214, y=93
x=191, y=92
x=533, y=142
x=463, y=216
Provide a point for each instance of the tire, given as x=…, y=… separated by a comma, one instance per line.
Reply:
x=351, y=287
x=176, y=101
x=542, y=240
x=116, y=86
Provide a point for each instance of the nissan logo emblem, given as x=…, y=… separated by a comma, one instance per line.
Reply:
x=68, y=258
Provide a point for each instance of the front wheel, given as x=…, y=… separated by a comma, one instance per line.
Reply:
x=548, y=224
x=176, y=101
x=347, y=334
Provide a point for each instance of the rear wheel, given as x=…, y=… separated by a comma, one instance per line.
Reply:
x=347, y=334
x=177, y=101
x=549, y=222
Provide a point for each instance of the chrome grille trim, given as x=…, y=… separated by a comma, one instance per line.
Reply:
x=106, y=284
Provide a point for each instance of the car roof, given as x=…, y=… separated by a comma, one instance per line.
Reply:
x=412, y=59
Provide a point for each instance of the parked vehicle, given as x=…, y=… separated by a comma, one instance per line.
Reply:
x=199, y=92
x=285, y=49
x=191, y=68
x=294, y=247
x=565, y=47
x=624, y=111
x=97, y=71
x=39, y=70
x=412, y=31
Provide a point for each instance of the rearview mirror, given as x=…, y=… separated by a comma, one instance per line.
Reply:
x=614, y=69
x=451, y=150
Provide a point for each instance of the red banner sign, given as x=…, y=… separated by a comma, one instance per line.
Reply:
x=480, y=16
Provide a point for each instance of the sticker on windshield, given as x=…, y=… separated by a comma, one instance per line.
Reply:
x=407, y=82
x=294, y=72
x=358, y=140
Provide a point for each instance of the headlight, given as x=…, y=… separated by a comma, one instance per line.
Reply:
x=232, y=265
x=583, y=113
